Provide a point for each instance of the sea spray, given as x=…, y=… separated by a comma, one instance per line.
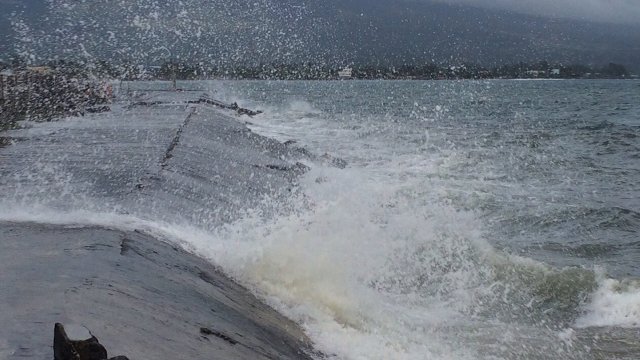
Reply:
x=363, y=266
x=613, y=303
x=468, y=246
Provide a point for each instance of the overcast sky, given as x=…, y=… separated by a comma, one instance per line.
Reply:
x=617, y=11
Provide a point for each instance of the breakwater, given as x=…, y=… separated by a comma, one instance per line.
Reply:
x=97, y=249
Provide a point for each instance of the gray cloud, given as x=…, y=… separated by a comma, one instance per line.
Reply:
x=614, y=11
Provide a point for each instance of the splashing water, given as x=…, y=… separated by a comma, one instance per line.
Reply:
x=414, y=251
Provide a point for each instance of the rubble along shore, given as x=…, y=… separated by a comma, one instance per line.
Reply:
x=42, y=94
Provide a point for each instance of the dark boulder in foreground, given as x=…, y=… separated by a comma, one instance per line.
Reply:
x=77, y=343
x=139, y=296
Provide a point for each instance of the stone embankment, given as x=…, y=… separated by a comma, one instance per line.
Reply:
x=42, y=94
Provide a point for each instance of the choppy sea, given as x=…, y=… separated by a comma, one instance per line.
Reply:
x=475, y=219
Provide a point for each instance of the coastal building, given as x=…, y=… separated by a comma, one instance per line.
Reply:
x=345, y=73
x=536, y=73
x=41, y=70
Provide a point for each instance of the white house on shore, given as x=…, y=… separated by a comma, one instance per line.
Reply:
x=536, y=73
x=345, y=73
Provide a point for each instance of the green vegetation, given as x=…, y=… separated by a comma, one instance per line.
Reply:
x=311, y=71
x=308, y=71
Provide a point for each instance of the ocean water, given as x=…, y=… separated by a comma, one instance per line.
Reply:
x=474, y=220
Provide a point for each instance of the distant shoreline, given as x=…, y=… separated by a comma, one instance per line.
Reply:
x=310, y=71
x=398, y=79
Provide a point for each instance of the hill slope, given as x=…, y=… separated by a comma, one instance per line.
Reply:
x=333, y=31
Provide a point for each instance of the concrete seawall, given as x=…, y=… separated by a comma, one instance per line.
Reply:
x=143, y=298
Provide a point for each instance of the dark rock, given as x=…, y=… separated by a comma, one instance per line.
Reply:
x=98, y=109
x=242, y=111
x=334, y=161
x=90, y=350
x=146, y=103
x=77, y=343
x=76, y=347
x=304, y=152
x=233, y=106
x=278, y=167
x=4, y=141
x=227, y=338
x=301, y=168
x=48, y=96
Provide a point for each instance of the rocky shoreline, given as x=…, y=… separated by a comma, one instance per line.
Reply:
x=42, y=94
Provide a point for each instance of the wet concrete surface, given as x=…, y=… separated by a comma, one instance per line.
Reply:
x=161, y=162
x=139, y=296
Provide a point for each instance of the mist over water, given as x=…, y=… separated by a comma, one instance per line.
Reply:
x=475, y=220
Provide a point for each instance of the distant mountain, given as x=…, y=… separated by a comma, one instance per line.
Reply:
x=410, y=31
x=30, y=9
x=328, y=31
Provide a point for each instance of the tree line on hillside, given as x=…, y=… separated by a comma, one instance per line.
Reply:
x=311, y=71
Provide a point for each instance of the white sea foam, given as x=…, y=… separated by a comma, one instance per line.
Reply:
x=614, y=303
x=350, y=268
x=368, y=274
